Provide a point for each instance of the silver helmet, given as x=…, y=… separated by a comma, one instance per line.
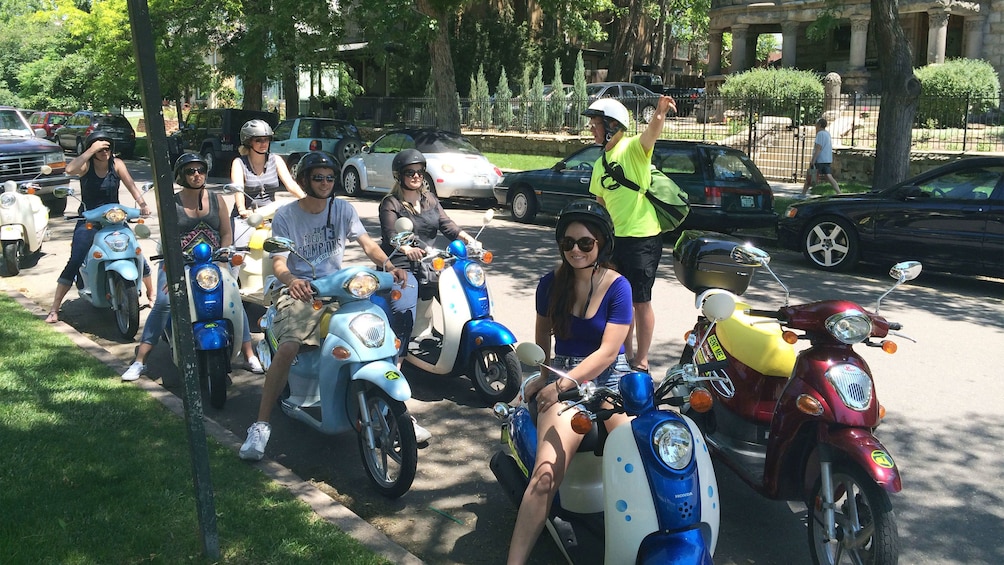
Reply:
x=255, y=128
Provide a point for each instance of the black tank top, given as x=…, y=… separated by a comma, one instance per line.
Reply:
x=97, y=191
x=196, y=230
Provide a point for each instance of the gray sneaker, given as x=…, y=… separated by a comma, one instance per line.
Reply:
x=422, y=435
x=254, y=446
x=134, y=371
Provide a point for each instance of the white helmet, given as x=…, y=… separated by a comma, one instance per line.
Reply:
x=609, y=108
x=255, y=128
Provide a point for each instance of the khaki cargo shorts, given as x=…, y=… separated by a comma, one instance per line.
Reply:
x=296, y=321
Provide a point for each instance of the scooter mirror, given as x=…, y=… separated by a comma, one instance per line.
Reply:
x=61, y=192
x=750, y=256
x=488, y=217
x=230, y=188
x=530, y=353
x=45, y=170
x=145, y=187
x=142, y=231
x=255, y=220
x=403, y=225
x=718, y=307
x=906, y=271
x=10, y=186
x=278, y=244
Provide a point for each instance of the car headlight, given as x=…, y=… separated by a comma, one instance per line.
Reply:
x=475, y=274
x=207, y=278
x=8, y=200
x=369, y=328
x=54, y=157
x=850, y=326
x=116, y=216
x=852, y=385
x=117, y=241
x=790, y=212
x=674, y=444
x=362, y=285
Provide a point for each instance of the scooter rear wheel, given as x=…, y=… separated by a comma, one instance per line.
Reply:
x=213, y=374
x=392, y=460
x=127, y=298
x=496, y=374
x=865, y=522
x=12, y=258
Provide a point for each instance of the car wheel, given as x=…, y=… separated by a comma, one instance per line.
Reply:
x=524, y=205
x=210, y=158
x=647, y=113
x=830, y=244
x=350, y=182
x=80, y=146
x=346, y=148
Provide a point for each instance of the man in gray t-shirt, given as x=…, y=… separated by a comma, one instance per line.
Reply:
x=821, y=163
x=320, y=226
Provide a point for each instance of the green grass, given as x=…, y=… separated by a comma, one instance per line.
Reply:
x=96, y=471
x=517, y=162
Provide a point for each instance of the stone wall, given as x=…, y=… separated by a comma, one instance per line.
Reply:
x=858, y=166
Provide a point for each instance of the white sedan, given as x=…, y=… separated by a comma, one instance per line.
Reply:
x=455, y=169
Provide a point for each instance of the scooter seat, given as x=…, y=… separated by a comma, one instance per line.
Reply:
x=759, y=346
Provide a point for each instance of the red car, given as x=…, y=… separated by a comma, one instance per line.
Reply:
x=45, y=123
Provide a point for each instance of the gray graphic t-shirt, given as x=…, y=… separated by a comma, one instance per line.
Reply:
x=317, y=240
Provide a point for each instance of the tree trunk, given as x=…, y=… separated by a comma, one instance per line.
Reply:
x=444, y=80
x=291, y=91
x=622, y=54
x=900, y=91
x=252, y=94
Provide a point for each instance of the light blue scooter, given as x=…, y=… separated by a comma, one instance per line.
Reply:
x=351, y=382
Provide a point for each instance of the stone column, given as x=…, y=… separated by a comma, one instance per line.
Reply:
x=859, y=43
x=715, y=52
x=974, y=36
x=740, y=36
x=937, y=34
x=789, y=38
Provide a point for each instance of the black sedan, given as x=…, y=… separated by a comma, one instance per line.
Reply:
x=950, y=218
x=726, y=190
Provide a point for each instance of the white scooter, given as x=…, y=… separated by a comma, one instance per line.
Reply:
x=470, y=342
x=249, y=238
x=24, y=222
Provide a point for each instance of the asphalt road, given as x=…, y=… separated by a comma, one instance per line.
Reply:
x=945, y=423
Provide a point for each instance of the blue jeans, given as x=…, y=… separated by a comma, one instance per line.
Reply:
x=610, y=377
x=81, y=243
x=402, y=313
x=160, y=314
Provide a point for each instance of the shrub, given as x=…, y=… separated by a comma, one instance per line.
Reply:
x=556, y=103
x=535, y=103
x=954, y=90
x=775, y=92
x=481, y=104
x=504, y=116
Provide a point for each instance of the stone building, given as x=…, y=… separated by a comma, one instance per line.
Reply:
x=937, y=30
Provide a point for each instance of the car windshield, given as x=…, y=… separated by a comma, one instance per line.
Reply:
x=594, y=89
x=115, y=121
x=12, y=123
x=442, y=142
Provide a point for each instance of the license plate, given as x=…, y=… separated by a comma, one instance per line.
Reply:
x=481, y=179
x=747, y=201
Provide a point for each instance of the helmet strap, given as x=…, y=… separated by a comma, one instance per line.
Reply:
x=258, y=152
x=610, y=128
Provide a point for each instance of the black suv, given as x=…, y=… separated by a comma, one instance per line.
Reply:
x=22, y=156
x=76, y=129
x=215, y=133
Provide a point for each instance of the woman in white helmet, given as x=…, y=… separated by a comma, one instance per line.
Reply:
x=638, y=237
x=261, y=173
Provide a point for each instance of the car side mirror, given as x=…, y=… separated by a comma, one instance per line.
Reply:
x=559, y=166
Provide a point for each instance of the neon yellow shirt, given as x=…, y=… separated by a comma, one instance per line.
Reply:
x=631, y=212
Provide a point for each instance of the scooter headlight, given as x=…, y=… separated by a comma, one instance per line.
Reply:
x=207, y=278
x=8, y=200
x=475, y=274
x=369, y=328
x=362, y=285
x=674, y=444
x=850, y=327
x=116, y=216
x=852, y=385
x=117, y=241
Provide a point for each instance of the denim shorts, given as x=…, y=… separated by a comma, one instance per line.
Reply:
x=610, y=377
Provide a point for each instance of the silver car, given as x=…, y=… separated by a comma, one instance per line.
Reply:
x=455, y=169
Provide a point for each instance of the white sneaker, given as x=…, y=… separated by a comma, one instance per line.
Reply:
x=254, y=365
x=134, y=371
x=422, y=435
x=254, y=447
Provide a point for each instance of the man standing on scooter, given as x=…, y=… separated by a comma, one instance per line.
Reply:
x=319, y=225
x=638, y=237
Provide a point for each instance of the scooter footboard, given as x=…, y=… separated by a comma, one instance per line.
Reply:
x=385, y=375
x=867, y=451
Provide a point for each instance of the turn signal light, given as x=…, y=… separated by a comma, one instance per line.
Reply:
x=790, y=337
x=889, y=347
x=317, y=305
x=479, y=340
x=487, y=257
x=581, y=424
x=341, y=353
x=395, y=294
x=397, y=343
x=90, y=226
x=701, y=400
x=686, y=336
x=439, y=263
x=97, y=254
x=140, y=221
x=237, y=260
x=881, y=412
x=809, y=405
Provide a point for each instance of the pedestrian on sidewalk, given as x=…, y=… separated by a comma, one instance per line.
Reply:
x=821, y=163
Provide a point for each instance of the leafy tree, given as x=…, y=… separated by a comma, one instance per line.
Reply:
x=579, y=96
x=503, y=103
x=535, y=103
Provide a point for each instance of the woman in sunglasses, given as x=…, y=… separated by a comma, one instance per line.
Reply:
x=585, y=306
x=202, y=217
x=100, y=174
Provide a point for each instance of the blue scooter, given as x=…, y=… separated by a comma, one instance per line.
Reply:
x=351, y=382
x=643, y=493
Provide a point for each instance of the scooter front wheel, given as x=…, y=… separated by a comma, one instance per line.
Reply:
x=386, y=441
x=126, y=301
x=496, y=374
x=213, y=372
x=865, y=523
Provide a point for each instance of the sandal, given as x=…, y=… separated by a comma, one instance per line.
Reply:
x=52, y=318
x=640, y=369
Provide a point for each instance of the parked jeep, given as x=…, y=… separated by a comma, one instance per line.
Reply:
x=22, y=156
x=214, y=133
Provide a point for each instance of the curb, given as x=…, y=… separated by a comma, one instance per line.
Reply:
x=323, y=505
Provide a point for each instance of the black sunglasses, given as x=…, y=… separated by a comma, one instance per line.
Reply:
x=323, y=178
x=413, y=172
x=585, y=244
x=195, y=171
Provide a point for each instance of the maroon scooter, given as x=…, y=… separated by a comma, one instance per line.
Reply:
x=796, y=425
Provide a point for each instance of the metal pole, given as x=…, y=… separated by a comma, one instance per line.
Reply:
x=146, y=64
